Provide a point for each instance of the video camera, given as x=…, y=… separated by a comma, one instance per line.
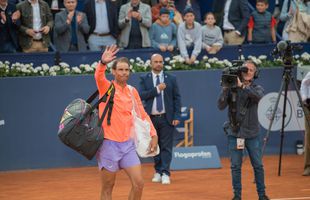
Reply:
x=230, y=75
x=284, y=49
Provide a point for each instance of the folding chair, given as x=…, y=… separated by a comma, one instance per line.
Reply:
x=184, y=134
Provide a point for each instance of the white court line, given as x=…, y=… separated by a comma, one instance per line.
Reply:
x=297, y=198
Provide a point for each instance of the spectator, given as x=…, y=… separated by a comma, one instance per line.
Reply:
x=163, y=32
x=34, y=31
x=232, y=16
x=212, y=38
x=261, y=26
x=134, y=21
x=8, y=27
x=189, y=37
x=297, y=26
x=70, y=28
x=55, y=5
x=150, y=2
x=175, y=15
x=194, y=4
x=102, y=18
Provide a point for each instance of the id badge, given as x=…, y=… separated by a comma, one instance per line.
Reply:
x=240, y=143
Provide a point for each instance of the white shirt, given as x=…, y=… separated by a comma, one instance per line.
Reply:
x=161, y=80
x=226, y=24
x=37, y=24
x=102, y=22
x=305, y=87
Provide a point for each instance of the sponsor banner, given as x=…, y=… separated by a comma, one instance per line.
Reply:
x=197, y=157
x=294, y=120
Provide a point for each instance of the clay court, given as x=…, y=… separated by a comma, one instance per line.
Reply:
x=210, y=184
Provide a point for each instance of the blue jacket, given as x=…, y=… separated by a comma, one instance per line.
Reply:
x=172, y=98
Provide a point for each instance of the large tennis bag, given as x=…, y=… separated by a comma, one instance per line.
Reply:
x=80, y=127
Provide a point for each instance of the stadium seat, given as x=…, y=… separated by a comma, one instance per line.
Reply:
x=184, y=134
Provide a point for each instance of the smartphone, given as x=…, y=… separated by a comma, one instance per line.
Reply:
x=135, y=8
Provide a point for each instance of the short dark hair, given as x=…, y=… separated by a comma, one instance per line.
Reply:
x=164, y=11
x=262, y=1
x=188, y=9
x=120, y=60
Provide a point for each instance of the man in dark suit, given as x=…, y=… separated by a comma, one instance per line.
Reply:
x=8, y=27
x=102, y=16
x=160, y=92
x=232, y=16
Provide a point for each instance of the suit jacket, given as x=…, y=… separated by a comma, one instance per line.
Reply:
x=125, y=27
x=62, y=32
x=27, y=22
x=11, y=27
x=90, y=11
x=172, y=98
x=238, y=14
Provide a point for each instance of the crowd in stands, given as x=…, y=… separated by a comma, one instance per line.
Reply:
x=167, y=25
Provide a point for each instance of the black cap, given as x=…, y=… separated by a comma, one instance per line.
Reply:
x=164, y=11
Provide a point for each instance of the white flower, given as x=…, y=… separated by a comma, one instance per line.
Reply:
x=138, y=59
x=178, y=58
x=53, y=73
x=205, y=57
x=207, y=65
x=45, y=67
x=242, y=57
x=167, y=59
x=64, y=65
x=148, y=62
x=76, y=70
x=196, y=62
x=172, y=61
x=168, y=67
x=131, y=60
x=305, y=56
x=66, y=70
x=262, y=57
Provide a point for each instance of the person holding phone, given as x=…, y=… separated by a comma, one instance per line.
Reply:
x=34, y=31
x=134, y=21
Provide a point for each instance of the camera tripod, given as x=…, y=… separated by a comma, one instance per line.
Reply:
x=286, y=79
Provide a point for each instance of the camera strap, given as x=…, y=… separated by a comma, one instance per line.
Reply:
x=235, y=124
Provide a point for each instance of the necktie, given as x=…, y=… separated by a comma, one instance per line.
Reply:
x=159, y=101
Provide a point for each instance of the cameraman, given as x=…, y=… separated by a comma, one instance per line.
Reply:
x=242, y=129
x=305, y=95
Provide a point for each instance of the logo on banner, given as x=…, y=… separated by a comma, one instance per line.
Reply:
x=294, y=120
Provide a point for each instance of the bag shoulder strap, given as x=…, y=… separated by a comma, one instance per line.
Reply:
x=109, y=105
x=135, y=108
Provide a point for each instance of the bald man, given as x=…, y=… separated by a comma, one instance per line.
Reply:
x=160, y=92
